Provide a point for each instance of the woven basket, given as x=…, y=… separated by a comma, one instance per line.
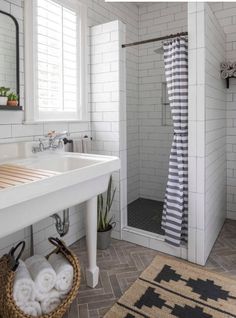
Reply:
x=8, y=266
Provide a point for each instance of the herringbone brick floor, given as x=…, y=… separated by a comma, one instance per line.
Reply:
x=223, y=255
x=123, y=262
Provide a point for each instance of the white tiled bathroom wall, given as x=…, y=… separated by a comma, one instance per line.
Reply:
x=226, y=15
x=12, y=129
x=207, y=131
x=108, y=102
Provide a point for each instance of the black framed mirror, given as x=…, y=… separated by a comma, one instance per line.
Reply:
x=9, y=62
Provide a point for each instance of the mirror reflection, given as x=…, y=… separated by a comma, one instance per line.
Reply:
x=8, y=55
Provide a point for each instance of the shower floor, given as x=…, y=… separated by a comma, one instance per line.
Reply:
x=146, y=214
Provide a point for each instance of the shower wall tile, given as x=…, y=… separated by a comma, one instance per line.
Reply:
x=210, y=142
x=192, y=205
x=200, y=145
x=200, y=211
x=215, y=131
x=200, y=65
x=110, y=137
x=192, y=55
x=192, y=111
x=200, y=246
x=200, y=100
x=192, y=174
x=200, y=174
x=192, y=29
x=192, y=135
x=226, y=15
x=201, y=31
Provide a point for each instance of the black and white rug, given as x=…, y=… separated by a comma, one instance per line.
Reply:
x=172, y=288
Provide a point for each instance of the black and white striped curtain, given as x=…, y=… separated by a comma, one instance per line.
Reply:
x=174, y=219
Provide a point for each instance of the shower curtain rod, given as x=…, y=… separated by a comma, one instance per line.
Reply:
x=156, y=39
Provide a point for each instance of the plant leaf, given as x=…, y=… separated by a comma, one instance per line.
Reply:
x=104, y=206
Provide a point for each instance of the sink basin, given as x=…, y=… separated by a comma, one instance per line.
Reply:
x=62, y=163
x=72, y=169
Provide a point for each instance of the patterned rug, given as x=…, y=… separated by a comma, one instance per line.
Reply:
x=171, y=288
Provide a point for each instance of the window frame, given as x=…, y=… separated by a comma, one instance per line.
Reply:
x=30, y=54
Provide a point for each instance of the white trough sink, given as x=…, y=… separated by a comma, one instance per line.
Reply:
x=78, y=178
x=63, y=163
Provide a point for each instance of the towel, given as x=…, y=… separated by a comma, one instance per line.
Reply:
x=68, y=145
x=31, y=308
x=225, y=65
x=231, y=72
x=225, y=74
x=86, y=142
x=234, y=65
x=49, y=304
x=64, y=271
x=77, y=145
x=42, y=273
x=53, y=293
x=23, y=289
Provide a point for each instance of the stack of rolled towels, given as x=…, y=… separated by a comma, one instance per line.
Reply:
x=41, y=285
x=228, y=69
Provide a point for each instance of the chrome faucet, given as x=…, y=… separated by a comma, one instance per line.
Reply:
x=52, y=137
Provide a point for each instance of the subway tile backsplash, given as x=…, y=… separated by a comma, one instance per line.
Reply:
x=12, y=129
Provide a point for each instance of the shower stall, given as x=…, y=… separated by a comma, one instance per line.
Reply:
x=151, y=125
x=155, y=137
x=150, y=131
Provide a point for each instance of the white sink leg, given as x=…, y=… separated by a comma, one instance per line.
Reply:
x=92, y=272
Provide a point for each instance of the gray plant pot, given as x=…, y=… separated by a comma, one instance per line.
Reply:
x=104, y=239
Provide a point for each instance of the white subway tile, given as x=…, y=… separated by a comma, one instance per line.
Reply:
x=27, y=130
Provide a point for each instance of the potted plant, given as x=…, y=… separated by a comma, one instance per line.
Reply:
x=105, y=224
x=12, y=99
x=3, y=95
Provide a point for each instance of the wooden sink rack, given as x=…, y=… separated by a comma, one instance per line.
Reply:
x=13, y=175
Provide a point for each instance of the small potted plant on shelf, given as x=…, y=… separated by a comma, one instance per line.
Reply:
x=3, y=95
x=105, y=224
x=12, y=99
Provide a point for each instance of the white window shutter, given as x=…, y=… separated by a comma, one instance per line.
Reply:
x=57, y=60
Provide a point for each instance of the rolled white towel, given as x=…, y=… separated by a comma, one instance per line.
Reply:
x=24, y=288
x=225, y=65
x=31, y=308
x=50, y=304
x=54, y=293
x=64, y=271
x=86, y=143
x=77, y=145
x=225, y=74
x=42, y=273
x=231, y=72
x=234, y=65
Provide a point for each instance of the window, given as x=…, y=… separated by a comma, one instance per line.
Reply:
x=58, y=55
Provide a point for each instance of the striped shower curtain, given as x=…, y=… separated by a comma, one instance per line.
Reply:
x=174, y=218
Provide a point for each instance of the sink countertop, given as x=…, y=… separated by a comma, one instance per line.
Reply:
x=89, y=166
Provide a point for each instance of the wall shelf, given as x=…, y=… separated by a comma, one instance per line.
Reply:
x=10, y=107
